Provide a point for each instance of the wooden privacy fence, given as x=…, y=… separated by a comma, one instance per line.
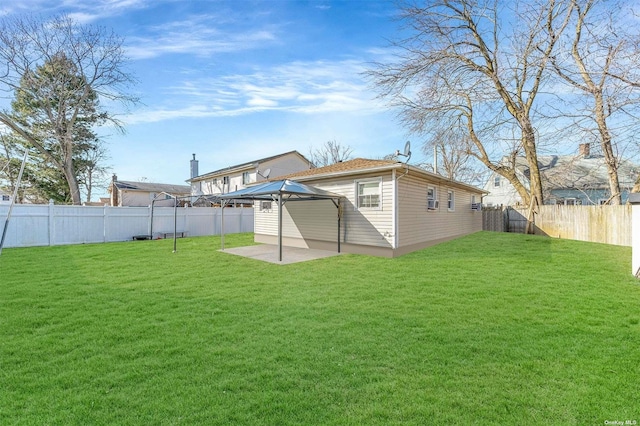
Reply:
x=599, y=224
x=47, y=225
x=493, y=219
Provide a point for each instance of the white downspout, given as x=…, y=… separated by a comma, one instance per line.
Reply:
x=394, y=214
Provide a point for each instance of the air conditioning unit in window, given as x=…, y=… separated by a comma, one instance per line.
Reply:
x=476, y=207
x=433, y=204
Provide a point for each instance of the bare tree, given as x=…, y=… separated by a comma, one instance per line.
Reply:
x=33, y=52
x=477, y=66
x=596, y=61
x=449, y=149
x=329, y=153
x=92, y=173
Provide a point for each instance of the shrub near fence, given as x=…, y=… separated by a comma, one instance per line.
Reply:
x=42, y=225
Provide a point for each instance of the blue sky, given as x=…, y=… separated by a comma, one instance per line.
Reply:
x=234, y=81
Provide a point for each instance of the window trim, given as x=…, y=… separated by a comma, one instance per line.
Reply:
x=246, y=178
x=497, y=181
x=357, y=184
x=451, y=200
x=266, y=206
x=436, y=204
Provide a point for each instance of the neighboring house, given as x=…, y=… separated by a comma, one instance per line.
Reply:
x=5, y=197
x=389, y=208
x=234, y=178
x=104, y=201
x=566, y=179
x=128, y=193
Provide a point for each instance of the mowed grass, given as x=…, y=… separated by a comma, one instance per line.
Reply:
x=488, y=329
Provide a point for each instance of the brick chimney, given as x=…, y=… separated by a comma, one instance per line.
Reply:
x=585, y=150
x=114, y=191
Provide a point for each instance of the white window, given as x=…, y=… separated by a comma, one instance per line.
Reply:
x=265, y=206
x=496, y=181
x=432, y=198
x=245, y=178
x=225, y=180
x=369, y=194
x=451, y=201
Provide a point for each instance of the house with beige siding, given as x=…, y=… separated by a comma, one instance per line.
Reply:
x=141, y=194
x=389, y=209
x=240, y=176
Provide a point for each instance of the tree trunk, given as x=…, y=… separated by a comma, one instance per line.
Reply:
x=72, y=180
x=529, y=145
x=607, y=150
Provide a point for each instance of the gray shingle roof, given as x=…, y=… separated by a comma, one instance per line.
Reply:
x=579, y=172
x=153, y=187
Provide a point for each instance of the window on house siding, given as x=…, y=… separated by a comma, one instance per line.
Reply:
x=265, y=206
x=245, y=178
x=432, y=198
x=496, y=181
x=5, y=198
x=369, y=194
x=225, y=180
x=451, y=201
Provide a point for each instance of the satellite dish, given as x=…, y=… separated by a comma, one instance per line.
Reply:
x=407, y=149
x=265, y=174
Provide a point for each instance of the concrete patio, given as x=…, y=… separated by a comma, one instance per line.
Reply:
x=269, y=253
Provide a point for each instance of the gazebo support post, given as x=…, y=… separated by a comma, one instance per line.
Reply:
x=339, y=218
x=280, y=227
x=222, y=203
x=175, y=224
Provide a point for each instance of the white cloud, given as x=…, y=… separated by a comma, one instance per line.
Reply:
x=202, y=35
x=261, y=102
x=298, y=87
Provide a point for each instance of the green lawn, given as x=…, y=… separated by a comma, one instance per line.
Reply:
x=488, y=329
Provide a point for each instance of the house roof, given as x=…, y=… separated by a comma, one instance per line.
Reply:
x=291, y=189
x=579, y=172
x=243, y=166
x=363, y=165
x=152, y=187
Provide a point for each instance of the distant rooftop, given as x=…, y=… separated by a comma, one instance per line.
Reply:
x=153, y=187
x=248, y=164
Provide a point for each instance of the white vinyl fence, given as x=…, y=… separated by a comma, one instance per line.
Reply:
x=48, y=225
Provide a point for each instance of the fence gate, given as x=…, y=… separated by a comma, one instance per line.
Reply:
x=493, y=219
x=516, y=221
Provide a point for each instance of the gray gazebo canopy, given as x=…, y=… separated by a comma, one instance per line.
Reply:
x=281, y=191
